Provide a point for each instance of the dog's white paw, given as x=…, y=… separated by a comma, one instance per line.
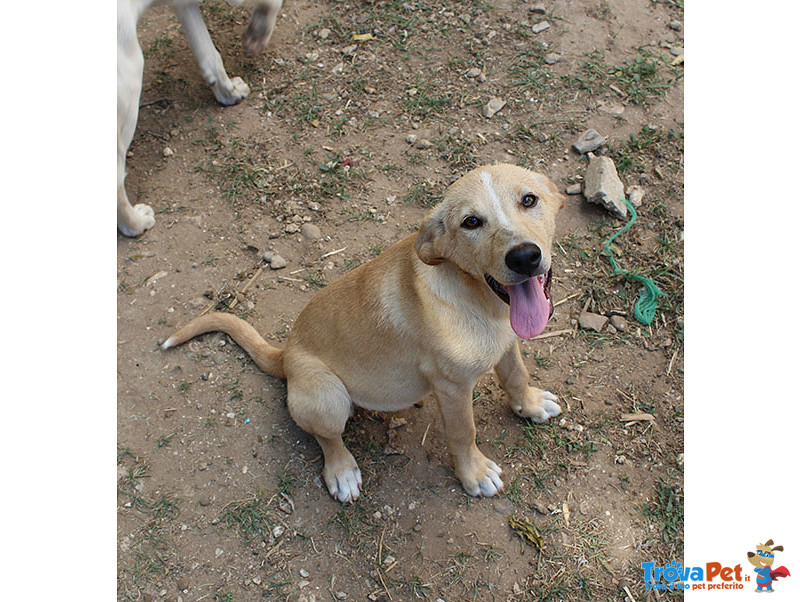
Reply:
x=540, y=406
x=142, y=218
x=231, y=92
x=345, y=486
x=486, y=482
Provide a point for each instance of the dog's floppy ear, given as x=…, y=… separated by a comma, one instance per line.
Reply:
x=777, y=548
x=429, y=238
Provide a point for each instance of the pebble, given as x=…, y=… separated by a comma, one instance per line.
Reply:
x=267, y=256
x=341, y=595
x=219, y=552
x=590, y=321
x=573, y=188
x=676, y=26
x=540, y=27
x=603, y=186
x=277, y=262
x=636, y=195
x=538, y=9
x=182, y=583
x=423, y=144
x=304, y=573
x=411, y=138
x=278, y=531
x=551, y=58
x=539, y=507
x=589, y=141
x=473, y=73
x=167, y=152
x=493, y=106
x=324, y=33
x=291, y=228
x=310, y=231
x=619, y=323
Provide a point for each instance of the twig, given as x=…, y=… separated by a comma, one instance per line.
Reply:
x=636, y=417
x=155, y=102
x=425, y=435
x=333, y=252
x=247, y=286
x=556, y=333
x=565, y=299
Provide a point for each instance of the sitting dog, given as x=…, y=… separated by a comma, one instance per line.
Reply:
x=133, y=220
x=433, y=313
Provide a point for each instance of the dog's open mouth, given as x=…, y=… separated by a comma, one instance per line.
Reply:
x=530, y=303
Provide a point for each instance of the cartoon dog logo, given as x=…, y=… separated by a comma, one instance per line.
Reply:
x=762, y=560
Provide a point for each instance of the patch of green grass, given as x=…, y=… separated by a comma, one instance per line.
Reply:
x=251, y=517
x=458, y=153
x=425, y=102
x=422, y=195
x=666, y=510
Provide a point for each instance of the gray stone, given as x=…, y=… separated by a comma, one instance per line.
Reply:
x=551, y=58
x=589, y=141
x=619, y=323
x=493, y=106
x=676, y=26
x=590, y=321
x=573, y=188
x=603, y=186
x=540, y=27
x=538, y=9
x=423, y=144
x=277, y=262
x=473, y=73
x=310, y=231
x=636, y=195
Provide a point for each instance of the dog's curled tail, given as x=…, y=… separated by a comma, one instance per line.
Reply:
x=267, y=357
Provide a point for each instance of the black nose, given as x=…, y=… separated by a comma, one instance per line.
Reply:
x=524, y=259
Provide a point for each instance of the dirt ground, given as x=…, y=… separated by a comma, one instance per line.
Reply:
x=219, y=493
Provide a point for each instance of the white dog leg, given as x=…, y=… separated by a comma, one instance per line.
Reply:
x=256, y=37
x=131, y=221
x=227, y=91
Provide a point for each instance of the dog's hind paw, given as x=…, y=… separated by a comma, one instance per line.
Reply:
x=140, y=219
x=538, y=406
x=231, y=92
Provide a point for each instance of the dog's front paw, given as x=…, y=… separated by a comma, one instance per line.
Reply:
x=231, y=92
x=538, y=405
x=480, y=476
x=344, y=483
x=140, y=219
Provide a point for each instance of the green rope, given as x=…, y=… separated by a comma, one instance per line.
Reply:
x=645, y=309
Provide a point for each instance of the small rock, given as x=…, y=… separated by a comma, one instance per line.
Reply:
x=278, y=531
x=277, y=262
x=493, y=106
x=573, y=188
x=636, y=195
x=310, y=231
x=538, y=9
x=182, y=583
x=219, y=552
x=324, y=33
x=540, y=27
x=676, y=26
x=291, y=228
x=267, y=256
x=588, y=141
x=423, y=144
x=551, y=58
x=603, y=186
x=167, y=152
x=204, y=501
x=618, y=322
x=304, y=573
x=257, y=580
x=340, y=595
x=590, y=321
x=584, y=507
x=540, y=507
x=411, y=138
x=473, y=73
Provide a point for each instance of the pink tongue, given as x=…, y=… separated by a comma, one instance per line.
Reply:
x=530, y=309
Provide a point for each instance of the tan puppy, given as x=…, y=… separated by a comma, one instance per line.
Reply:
x=433, y=313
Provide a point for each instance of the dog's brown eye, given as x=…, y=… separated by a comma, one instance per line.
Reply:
x=471, y=222
x=529, y=200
